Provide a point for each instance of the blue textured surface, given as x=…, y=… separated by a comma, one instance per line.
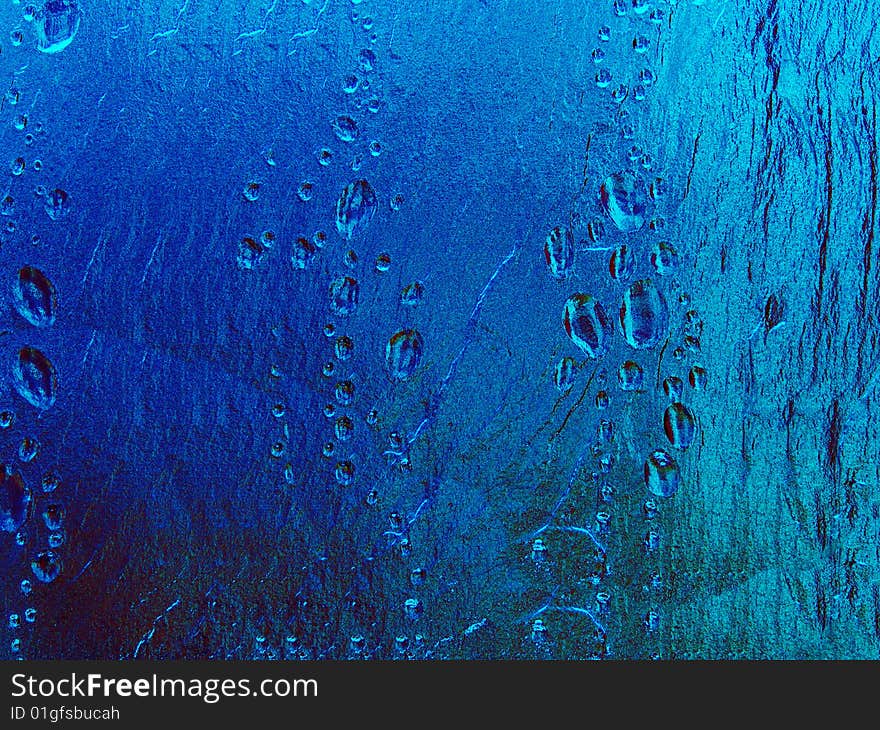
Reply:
x=218, y=446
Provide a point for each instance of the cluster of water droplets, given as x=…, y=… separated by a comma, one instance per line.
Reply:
x=32, y=510
x=649, y=327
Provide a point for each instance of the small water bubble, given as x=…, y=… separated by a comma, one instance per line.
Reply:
x=329, y=411
x=539, y=550
x=20, y=538
x=30, y=12
x=324, y=156
x=640, y=7
x=602, y=400
x=350, y=258
x=373, y=105
x=56, y=539
x=328, y=368
x=367, y=60
x=343, y=348
x=37, y=166
x=664, y=258
x=640, y=44
x=603, y=78
x=29, y=139
x=303, y=252
x=250, y=253
x=18, y=166
x=16, y=37
x=604, y=33
x=7, y=418
x=620, y=7
x=305, y=191
x=367, y=23
x=372, y=498
x=698, y=377
x=328, y=448
x=658, y=15
x=21, y=122
x=251, y=191
x=396, y=202
x=345, y=128
x=329, y=329
x=53, y=515
x=383, y=262
x=413, y=609
x=598, y=55
x=372, y=417
x=26, y=587
x=350, y=84
x=277, y=449
x=630, y=376
x=650, y=509
x=639, y=93
x=375, y=148
x=417, y=576
x=14, y=621
x=619, y=93
x=344, y=392
x=28, y=449
x=46, y=566
x=343, y=428
x=344, y=473
x=268, y=239
x=647, y=77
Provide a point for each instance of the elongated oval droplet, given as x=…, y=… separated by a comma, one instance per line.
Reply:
x=680, y=425
x=563, y=375
x=673, y=387
x=644, y=315
x=35, y=378
x=559, y=252
x=355, y=209
x=662, y=476
x=622, y=263
x=403, y=354
x=624, y=199
x=344, y=295
x=16, y=502
x=35, y=297
x=587, y=324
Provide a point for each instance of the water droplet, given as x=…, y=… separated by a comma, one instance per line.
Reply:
x=664, y=258
x=16, y=37
x=413, y=609
x=250, y=253
x=372, y=498
x=383, y=262
x=350, y=84
x=662, y=476
x=412, y=293
x=698, y=377
x=28, y=449
x=251, y=191
x=343, y=348
x=418, y=576
x=622, y=263
x=619, y=93
x=35, y=378
x=328, y=368
x=587, y=324
x=598, y=55
x=344, y=392
x=329, y=410
x=403, y=354
x=267, y=239
x=7, y=418
x=16, y=503
x=305, y=191
x=372, y=417
x=563, y=375
x=350, y=258
x=644, y=315
x=35, y=297
x=624, y=199
x=303, y=252
x=343, y=428
x=604, y=34
x=18, y=165
x=26, y=587
x=57, y=204
x=375, y=148
x=344, y=473
x=30, y=615
x=620, y=7
x=367, y=60
x=325, y=156
x=603, y=78
x=355, y=209
x=559, y=252
x=46, y=566
x=680, y=425
x=345, y=128
x=640, y=44
x=673, y=387
x=396, y=202
x=344, y=295
x=56, y=24
x=602, y=400
x=277, y=449
x=630, y=376
x=328, y=448
x=53, y=515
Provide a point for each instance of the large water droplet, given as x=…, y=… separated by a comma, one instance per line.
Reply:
x=644, y=315
x=35, y=378
x=355, y=209
x=35, y=297
x=403, y=354
x=587, y=324
x=662, y=476
x=56, y=24
x=624, y=199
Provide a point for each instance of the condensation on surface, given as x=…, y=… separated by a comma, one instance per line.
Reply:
x=463, y=330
